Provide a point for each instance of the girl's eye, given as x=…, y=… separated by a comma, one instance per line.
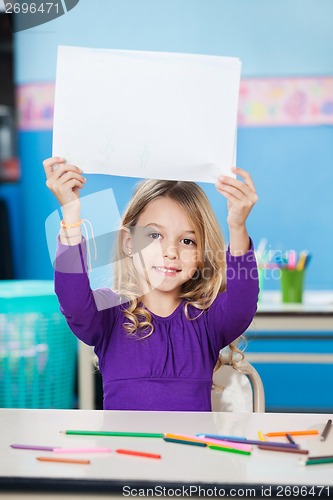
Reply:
x=154, y=236
x=187, y=241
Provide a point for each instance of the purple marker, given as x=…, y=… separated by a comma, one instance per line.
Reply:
x=250, y=441
x=33, y=447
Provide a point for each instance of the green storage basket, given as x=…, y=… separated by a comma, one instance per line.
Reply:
x=38, y=352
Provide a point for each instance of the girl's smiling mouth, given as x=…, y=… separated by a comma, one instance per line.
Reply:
x=167, y=271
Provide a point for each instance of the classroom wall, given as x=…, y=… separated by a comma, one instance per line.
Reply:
x=292, y=165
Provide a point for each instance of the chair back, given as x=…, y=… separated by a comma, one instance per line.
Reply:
x=237, y=389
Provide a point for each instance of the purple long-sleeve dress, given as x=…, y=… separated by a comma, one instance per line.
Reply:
x=171, y=370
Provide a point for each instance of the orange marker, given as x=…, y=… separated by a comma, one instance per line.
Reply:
x=184, y=437
x=63, y=460
x=138, y=453
x=292, y=433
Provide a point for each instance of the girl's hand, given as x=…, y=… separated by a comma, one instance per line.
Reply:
x=241, y=197
x=65, y=181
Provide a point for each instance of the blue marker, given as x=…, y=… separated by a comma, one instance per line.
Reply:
x=225, y=438
x=249, y=441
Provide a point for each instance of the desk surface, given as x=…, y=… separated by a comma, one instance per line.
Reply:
x=179, y=465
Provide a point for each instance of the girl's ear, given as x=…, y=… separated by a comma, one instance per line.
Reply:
x=127, y=241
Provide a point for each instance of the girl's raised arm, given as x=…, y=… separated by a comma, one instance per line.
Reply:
x=79, y=304
x=241, y=197
x=65, y=181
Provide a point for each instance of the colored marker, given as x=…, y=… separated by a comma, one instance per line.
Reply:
x=279, y=448
x=319, y=461
x=302, y=260
x=185, y=441
x=326, y=430
x=257, y=442
x=228, y=444
x=63, y=460
x=32, y=447
x=114, y=434
x=261, y=436
x=231, y=450
x=82, y=450
x=208, y=441
x=292, y=433
x=307, y=261
x=138, y=453
x=290, y=439
x=225, y=438
x=183, y=437
x=291, y=259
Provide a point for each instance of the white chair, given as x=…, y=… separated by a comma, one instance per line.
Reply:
x=237, y=389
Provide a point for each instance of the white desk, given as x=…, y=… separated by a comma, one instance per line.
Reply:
x=180, y=465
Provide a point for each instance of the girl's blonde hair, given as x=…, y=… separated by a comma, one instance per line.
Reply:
x=202, y=289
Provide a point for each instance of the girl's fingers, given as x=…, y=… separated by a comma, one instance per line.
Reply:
x=235, y=196
x=70, y=175
x=63, y=169
x=246, y=176
x=49, y=163
x=238, y=195
x=228, y=196
x=235, y=184
x=57, y=184
x=73, y=183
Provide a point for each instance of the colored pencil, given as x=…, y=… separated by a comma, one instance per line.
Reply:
x=138, y=453
x=302, y=260
x=291, y=259
x=225, y=438
x=261, y=436
x=184, y=441
x=114, y=434
x=228, y=444
x=257, y=442
x=319, y=461
x=82, y=450
x=32, y=447
x=183, y=437
x=326, y=430
x=208, y=441
x=320, y=457
x=290, y=439
x=63, y=460
x=292, y=433
x=286, y=450
x=227, y=449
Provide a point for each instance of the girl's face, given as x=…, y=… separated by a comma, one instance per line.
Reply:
x=164, y=246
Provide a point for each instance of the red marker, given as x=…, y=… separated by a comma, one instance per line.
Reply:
x=138, y=453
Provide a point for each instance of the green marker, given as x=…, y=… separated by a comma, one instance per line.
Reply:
x=114, y=434
x=317, y=461
x=232, y=450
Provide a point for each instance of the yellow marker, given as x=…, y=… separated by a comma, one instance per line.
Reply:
x=261, y=436
x=302, y=260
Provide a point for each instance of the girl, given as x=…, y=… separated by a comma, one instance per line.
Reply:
x=179, y=297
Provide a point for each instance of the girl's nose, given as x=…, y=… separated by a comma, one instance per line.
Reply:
x=170, y=252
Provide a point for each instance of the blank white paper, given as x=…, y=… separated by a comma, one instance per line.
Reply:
x=146, y=114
